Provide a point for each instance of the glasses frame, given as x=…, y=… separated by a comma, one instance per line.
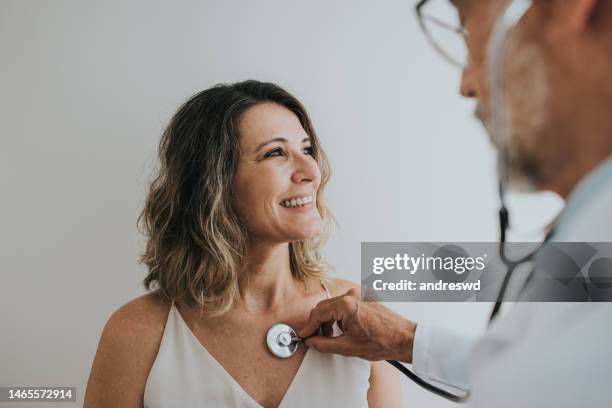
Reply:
x=422, y=18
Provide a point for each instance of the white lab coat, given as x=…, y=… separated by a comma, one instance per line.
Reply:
x=536, y=354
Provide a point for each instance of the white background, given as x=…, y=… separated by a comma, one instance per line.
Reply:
x=87, y=87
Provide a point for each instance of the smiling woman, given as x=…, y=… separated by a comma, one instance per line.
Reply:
x=216, y=190
x=235, y=219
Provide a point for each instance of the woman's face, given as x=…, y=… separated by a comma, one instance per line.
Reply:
x=276, y=178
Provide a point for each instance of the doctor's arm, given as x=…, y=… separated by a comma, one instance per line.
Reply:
x=373, y=332
x=441, y=356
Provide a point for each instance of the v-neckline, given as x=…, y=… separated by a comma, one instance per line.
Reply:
x=227, y=375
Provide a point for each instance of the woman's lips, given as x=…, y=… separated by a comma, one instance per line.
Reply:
x=297, y=201
x=303, y=208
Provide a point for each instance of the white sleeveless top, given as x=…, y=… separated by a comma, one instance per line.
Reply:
x=186, y=375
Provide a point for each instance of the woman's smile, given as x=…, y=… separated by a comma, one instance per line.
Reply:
x=305, y=208
x=298, y=202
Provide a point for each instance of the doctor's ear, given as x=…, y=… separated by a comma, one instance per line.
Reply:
x=573, y=16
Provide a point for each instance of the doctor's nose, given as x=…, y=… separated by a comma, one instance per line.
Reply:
x=468, y=87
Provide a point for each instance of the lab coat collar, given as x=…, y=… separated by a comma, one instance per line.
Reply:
x=598, y=179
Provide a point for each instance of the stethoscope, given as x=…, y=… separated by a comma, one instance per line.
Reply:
x=282, y=340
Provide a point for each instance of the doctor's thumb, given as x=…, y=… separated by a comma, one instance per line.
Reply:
x=333, y=345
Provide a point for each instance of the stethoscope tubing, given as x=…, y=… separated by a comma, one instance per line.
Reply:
x=426, y=385
x=511, y=266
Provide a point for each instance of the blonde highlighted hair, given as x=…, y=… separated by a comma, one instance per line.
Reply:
x=196, y=244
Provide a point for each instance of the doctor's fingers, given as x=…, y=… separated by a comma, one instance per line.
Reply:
x=320, y=315
x=352, y=293
x=337, y=345
x=337, y=309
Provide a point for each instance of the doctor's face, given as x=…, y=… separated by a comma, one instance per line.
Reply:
x=533, y=144
x=277, y=178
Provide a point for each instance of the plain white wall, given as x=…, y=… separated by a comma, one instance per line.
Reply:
x=87, y=87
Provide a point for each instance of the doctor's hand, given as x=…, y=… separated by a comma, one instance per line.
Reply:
x=370, y=330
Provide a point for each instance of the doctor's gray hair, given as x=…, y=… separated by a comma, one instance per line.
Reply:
x=196, y=244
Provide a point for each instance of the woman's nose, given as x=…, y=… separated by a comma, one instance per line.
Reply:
x=305, y=169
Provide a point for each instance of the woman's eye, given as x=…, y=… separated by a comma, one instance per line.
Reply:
x=274, y=152
x=309, y=150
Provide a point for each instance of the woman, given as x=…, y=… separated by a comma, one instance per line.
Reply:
x=234, y=219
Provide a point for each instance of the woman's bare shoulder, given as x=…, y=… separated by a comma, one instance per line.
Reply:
x=147, y=312
x=126, y=352
x=141, y=320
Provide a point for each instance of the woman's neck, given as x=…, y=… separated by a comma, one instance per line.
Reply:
x=266, y=281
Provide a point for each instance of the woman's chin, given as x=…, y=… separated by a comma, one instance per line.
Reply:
x=305, y=233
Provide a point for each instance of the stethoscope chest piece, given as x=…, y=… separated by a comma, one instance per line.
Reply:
x=281, y=340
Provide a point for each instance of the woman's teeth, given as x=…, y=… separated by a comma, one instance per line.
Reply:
x=297, y=202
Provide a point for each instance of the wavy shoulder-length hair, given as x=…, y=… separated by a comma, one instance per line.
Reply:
x=196, y=244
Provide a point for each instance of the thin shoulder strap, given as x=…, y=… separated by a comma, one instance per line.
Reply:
x=326, y=289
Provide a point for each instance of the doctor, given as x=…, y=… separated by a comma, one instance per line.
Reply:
x=558, y=110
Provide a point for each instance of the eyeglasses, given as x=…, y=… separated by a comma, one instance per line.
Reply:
x=440, y=23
